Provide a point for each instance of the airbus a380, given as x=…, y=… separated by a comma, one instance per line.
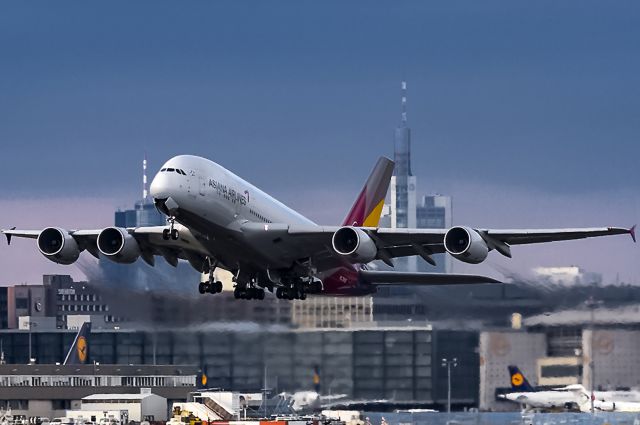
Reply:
x=215, y=219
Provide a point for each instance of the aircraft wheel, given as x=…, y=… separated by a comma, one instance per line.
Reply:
x=202, y=288
x=303, y=296
x=218, y=287
x=165, y=234
x=175, y=235
x=237, y=294
x=279, y=293
x=261, y=294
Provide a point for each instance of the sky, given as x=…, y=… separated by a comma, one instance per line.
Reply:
x=527, y=113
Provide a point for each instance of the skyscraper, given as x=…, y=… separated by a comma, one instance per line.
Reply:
x=434, y=212
x=403, y=183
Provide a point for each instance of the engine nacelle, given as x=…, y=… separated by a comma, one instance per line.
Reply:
x=118, y=245
x=355, y=244
x=466, y=245
x=58, y=245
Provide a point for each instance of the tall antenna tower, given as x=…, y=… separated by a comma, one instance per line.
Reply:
x=145, y=192
x=404, y=103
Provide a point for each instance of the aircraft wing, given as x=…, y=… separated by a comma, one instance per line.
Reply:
x=149, y=239
x=381, y=278
x=392, y=243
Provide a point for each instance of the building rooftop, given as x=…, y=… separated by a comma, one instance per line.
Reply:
x=128, y=370
x=120, y=396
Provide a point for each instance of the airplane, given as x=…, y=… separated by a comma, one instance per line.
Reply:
x=603, y=401
x=529, y=398
x=215, y=219
x=568, y=397
x=79, y=350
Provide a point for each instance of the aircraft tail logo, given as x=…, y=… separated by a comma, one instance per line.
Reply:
x=518, y=381
x=367, y=208
x=79, y=351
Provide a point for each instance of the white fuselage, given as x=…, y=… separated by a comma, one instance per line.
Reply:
x=213, y=200
x=543, y=399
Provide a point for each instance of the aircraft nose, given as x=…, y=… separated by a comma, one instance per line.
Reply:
x=159, y=186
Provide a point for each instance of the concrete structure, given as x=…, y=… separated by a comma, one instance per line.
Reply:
x=144, y=406
x=332, y=312
x=388, y=362
x=26, y=323
x=25, y=300
x=500, y=349
x=4, y=313
x=50, y=390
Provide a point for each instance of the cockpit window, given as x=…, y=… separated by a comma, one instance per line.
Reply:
x=182, y=172
x=162, y=170
x=171, y=170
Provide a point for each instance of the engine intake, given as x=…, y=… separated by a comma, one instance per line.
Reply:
x=466, y=245
x=58, y=245
x=355, y=244
x=118, y=245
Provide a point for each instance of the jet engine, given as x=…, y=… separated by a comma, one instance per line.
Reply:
x=58, y=246
x=354, y=243
x=118, y=245
x=466, y=245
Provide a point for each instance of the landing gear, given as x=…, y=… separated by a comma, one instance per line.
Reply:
x=170, y=233
x=248, y=293
x=212, y=285
x=292, y=291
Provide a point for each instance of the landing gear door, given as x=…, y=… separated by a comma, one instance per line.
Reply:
x=202, y=185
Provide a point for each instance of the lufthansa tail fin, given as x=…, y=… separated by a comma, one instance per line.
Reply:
x=518, y=382
x=79, y=351
x=367, y=208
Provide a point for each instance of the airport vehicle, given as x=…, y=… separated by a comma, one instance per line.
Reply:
x=217, y=219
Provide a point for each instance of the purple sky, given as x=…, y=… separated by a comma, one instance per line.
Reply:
x=525, y=112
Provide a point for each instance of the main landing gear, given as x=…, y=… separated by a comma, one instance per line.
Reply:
x=211, y=286
x=248, y=293
x=170, y=233
x=292, y=291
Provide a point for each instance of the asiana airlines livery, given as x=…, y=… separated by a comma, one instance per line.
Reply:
x=216, y=219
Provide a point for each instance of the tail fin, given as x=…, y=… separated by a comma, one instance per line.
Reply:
x=518, y=382
x=368, y=206
x=79, y=351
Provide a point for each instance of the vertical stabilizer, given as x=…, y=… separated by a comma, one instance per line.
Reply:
x=367, y=208
x=518, y=382
x=79, y=351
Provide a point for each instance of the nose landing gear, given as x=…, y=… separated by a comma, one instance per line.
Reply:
x=171, y=232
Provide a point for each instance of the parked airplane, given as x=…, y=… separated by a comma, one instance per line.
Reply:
x=529, y=398
x=604, y=401
x=568, y=397
x=79, y=350
x=217, y=219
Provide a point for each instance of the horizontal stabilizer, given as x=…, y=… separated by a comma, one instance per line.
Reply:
x=407, y=278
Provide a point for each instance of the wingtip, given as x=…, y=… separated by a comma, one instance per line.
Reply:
x=632, y=232
x=8, y=235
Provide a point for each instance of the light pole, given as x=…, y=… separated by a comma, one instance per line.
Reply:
x=30, y=324
x=448, y=363
x=592, y=304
